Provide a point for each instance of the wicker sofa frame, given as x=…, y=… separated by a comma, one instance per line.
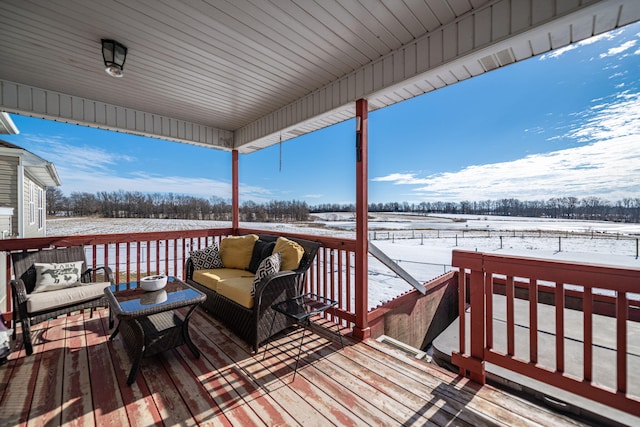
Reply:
x=25, y=282
x=254, y=325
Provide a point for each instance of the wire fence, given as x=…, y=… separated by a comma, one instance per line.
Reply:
x=623, y=244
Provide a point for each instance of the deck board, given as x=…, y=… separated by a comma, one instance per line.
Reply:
x=77, y=377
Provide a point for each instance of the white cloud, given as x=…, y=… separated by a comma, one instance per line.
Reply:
x=400, y=178
x=618, y=49
x=92, y=170
x=608, y=167
x=86, y=158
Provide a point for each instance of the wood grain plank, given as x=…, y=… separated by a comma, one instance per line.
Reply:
x=107, y=400
x=47, y=395
x=319, y=354
x=77, y=406
x=198, y=401
x=137, y=400
x=16, y=402
x=364, y=383
x=428, y=375
x=344, y=404
x=172, y=408
x=255, y=402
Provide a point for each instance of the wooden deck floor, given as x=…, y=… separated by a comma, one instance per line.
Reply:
x=77, y=377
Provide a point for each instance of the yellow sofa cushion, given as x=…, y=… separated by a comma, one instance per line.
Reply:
x=236, y=251
x=291, y=253
x=211, y=278
x=237, y=289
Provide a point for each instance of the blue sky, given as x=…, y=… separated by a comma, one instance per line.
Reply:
x=563, y=124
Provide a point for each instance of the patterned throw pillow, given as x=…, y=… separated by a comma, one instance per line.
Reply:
x=207, y=258
x=270, y=265
x=55, y=276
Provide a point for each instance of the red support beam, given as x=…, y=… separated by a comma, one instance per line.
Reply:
x=235, y=203
x=361, y=328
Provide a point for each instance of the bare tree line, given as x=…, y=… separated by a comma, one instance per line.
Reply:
x=593, y=208
x=127, y=204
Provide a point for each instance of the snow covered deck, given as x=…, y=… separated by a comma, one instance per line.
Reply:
x=76, y=376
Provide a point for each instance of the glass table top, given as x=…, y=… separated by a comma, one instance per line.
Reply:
x=131, y=298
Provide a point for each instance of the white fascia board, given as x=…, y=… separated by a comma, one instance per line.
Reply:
x=36, y=102
x=7, y=126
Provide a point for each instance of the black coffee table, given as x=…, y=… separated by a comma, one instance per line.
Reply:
x=149, y=322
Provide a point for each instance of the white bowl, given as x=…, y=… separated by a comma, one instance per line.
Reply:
x=153, y=283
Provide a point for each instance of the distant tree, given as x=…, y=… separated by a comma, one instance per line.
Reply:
x=56, y=201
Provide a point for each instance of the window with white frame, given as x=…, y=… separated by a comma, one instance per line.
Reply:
x=32, y=204
x=40, y=208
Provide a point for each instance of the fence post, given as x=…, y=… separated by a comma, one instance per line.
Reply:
x=500, y=242
x=559, y=243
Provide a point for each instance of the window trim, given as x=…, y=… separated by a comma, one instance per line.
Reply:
x=32, y=207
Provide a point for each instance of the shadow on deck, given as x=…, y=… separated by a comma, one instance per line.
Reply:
x=77, y=376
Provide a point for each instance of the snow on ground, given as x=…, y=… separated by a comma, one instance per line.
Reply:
x=423, y=245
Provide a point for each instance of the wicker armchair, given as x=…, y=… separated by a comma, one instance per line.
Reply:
x=25, y=282
x=254, y=325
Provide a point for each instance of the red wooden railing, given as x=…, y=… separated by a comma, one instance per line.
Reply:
x=134, y=255
x=594, y=286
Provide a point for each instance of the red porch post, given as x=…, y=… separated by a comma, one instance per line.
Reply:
x=235, y=210
x=361, y=328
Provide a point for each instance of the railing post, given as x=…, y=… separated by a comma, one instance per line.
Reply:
x=472, y=365
x=361, y=328
x=235, y=203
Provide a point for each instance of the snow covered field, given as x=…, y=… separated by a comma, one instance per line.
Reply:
x=423, y=245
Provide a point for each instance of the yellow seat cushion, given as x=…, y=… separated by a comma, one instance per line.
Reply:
x=211, y=278
x=291, y=253
x=237, y=289
x=236, y=251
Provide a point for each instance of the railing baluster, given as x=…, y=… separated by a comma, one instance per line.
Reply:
x=128, y=262
x=148, y=257
x=166, y=257
x=138, y=252
x=559, y=299
x=347, y=275
x=462, y=303
x=587, y=308
x=533, y=320
x=488, y=304
x=510, y=316
x=621, y=341
x=117, y=261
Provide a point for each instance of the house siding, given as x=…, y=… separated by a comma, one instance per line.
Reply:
x=9, y=187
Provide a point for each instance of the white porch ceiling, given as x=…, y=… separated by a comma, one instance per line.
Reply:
x=243, y=74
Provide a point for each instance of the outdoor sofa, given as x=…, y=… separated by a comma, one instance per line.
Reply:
x=242, y=283
x=52, y=282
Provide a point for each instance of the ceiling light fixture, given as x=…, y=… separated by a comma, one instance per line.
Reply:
x=114, y=55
